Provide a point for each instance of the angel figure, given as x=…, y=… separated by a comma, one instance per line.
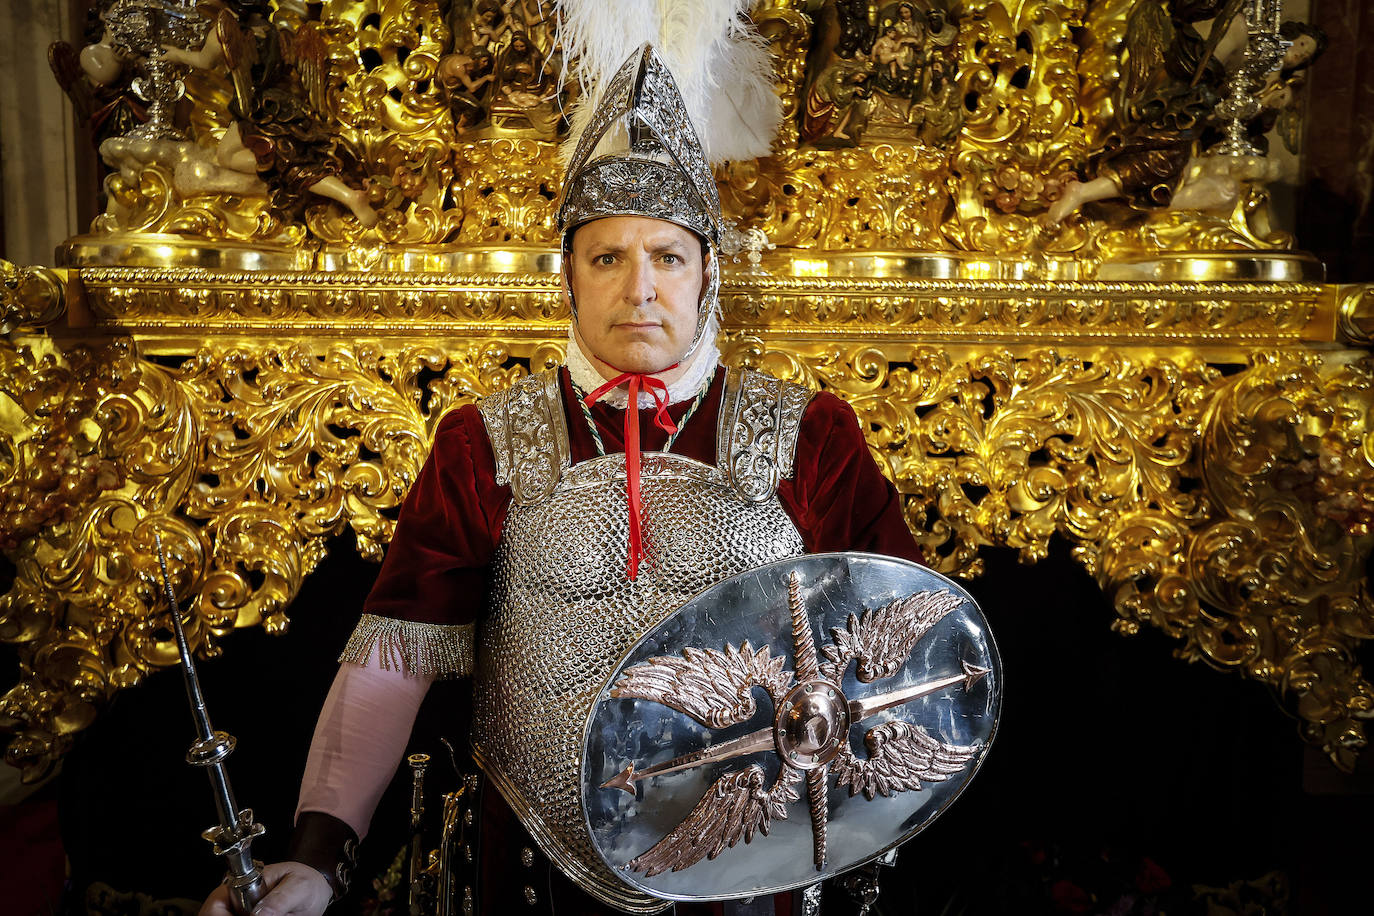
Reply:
x=1169, y=90
x=1280, y=95
x=283, y=130
x=96, y=80
x=490, y=25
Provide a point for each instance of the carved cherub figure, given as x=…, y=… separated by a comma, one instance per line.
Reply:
x=96, y=79
x=1169, y=90
x=282, y=134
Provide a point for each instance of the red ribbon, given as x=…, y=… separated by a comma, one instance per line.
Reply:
x=662, y=420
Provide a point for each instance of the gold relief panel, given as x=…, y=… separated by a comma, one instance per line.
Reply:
x=1007, y=129
x=1203, y=448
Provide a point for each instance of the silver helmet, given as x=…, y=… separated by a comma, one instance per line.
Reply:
x=661, y=169
x=655, y=166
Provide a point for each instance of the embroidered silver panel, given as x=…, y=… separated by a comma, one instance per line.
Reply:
x=635, y=186
x=760, y=419
x=529, y=435
x=565, y=613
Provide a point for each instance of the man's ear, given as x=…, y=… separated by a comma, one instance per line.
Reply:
x=565, y=290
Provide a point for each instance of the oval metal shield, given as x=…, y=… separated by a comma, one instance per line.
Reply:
x=787, y=725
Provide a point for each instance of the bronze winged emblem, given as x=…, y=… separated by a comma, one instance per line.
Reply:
x=810, y=732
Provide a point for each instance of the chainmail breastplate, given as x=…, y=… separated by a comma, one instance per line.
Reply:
x=564, y=611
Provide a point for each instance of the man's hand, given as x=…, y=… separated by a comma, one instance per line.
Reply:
x=294, y=889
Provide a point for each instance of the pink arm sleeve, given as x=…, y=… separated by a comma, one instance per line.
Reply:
x=359, y=740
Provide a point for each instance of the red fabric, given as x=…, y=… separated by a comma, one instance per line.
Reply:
x=31, y=848
x=436, y=569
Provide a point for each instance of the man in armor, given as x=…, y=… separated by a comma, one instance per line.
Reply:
x=556, y=522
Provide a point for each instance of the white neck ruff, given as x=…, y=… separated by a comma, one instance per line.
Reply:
x=701, y=368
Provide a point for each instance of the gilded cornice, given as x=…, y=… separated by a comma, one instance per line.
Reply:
x=146, y=300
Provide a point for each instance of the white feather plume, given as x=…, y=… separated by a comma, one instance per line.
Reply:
x=720, y=62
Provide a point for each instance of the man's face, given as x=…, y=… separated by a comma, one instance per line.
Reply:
x=637, y=285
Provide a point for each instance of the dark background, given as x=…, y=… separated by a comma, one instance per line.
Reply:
x=1121, y=777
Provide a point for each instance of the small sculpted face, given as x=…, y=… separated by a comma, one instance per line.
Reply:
x=1299, y=52
x=637, y=285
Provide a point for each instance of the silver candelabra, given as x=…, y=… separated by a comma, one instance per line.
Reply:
x=142, y=28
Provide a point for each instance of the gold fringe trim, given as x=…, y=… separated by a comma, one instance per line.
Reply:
x=425, y=649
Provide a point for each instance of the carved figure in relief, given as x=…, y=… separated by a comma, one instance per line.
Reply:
x=909, y=60
x=1281, y=94
x=469, y=79
x=280, y=93
x=583, y=503
x=96, y=81
x=1170, y=91
x=837, y=104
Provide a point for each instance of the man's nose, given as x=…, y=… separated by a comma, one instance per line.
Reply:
x=639, y=284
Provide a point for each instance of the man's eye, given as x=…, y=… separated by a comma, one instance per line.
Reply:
x=671, y=259
x=605, y=260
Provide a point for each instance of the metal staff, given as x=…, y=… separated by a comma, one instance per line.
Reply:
x=418, y=872
x=233, y=836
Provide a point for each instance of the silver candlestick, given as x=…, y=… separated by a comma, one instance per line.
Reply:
x=1263, y=52
x=141, y=28
x=233, y=836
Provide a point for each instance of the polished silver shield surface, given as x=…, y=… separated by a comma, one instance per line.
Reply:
x=789, y=724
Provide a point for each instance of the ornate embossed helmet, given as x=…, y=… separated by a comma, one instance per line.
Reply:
x=656, y=167
x=660, y=172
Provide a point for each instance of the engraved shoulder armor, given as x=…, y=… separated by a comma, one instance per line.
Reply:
x=760, y=419
x=529, y=436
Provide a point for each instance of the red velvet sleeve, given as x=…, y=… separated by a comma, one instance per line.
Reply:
x=837, y=497
x=436, y=568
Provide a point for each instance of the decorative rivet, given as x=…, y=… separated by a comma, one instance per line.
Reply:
x=527, y=857
x=467, y=817
x=467, y=852
x=830, y=692
x=529, y=896
x=467, y=901
x=809, y=687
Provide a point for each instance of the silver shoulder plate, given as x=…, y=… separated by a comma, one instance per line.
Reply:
x=883, y=689
x=756, y=441
x=529, y=436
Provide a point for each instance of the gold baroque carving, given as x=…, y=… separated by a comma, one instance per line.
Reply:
x=1227, y=508
x=245, y=459
x=1233, y=512
x=30, y=296
x=1211, y=472
x=420, y=134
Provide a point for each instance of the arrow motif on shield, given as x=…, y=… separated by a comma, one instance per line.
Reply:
x=810, y=730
